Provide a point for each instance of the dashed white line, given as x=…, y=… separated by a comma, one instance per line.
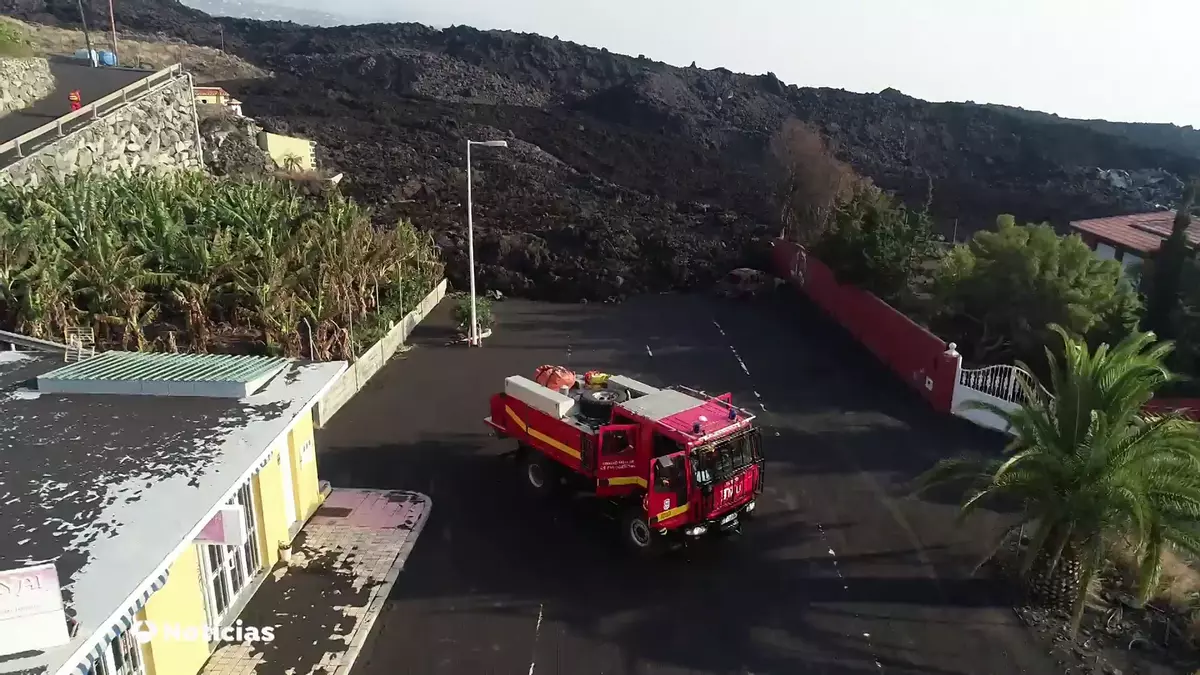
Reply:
x=648, y=352
x=833, y=555
x=536, y=630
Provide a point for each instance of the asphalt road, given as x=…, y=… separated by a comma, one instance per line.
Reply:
x=92, y=83
x=840, y=573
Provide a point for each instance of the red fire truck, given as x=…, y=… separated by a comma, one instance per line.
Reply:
x=677, y=462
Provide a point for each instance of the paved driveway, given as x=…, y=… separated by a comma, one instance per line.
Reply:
x=839, y=574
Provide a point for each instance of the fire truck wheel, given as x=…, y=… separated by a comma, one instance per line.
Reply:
x=598, y=402
x=538, y=474
x=638, y=534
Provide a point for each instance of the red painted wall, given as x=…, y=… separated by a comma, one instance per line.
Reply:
x=911, y=351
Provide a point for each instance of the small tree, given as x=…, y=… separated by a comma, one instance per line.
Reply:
x=876, y=243
x=809, y=180
x=1001, y=290
x=483, y=314
x=1163, y=292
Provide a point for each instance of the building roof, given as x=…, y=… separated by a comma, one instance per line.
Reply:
x=1139, y=232
x=117, y=372
x=109, y=486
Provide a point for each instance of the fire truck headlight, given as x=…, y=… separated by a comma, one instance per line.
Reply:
x=749, y=507
x=697, y=530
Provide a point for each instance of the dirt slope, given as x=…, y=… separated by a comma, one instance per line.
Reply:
x=630, y=175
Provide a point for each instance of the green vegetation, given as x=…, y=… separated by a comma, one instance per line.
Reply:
x=483, y=314
x=876, y=243
x=189, y=262
x=1091, y=472
x=13, y=41
x=1164, y=284
x=997, y=295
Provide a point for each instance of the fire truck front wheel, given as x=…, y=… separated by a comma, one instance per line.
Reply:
x=637, y=533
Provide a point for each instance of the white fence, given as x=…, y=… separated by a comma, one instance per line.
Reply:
x=1000, y=386
x=30, y=141
x=372, y=360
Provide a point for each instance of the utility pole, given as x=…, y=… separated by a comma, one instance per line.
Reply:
x=87, y=37
x=112, y=19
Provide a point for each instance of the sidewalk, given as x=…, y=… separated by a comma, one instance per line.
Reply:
x=344, y=563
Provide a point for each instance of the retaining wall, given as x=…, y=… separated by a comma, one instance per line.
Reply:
x=22, y=82
x=912, y=352
x=372, y=360
x=158, y=130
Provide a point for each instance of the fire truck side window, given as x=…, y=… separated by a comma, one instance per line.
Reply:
x=615, y=442
x=664, y=445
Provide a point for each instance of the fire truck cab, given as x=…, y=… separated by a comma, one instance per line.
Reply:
x=678, y=463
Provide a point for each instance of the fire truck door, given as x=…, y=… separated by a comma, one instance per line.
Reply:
x=668, y=492
x=617, y=466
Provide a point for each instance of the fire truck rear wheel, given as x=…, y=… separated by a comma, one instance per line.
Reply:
x=637, y=533
x=538, y=473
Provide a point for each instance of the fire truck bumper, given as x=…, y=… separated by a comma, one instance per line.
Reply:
x=495, y=427
x=729, y=522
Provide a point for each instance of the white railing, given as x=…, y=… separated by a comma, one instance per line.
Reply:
x=29, y=141
x=1003, y=382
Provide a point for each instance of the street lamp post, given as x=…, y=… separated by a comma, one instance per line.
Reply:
x=474, y=338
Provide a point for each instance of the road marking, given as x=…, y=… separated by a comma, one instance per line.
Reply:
x=649, y=352
x=537, y=629
x=821, y=529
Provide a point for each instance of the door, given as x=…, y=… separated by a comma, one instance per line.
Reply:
x=617, y=464
x=667, y=498
x=285, y=479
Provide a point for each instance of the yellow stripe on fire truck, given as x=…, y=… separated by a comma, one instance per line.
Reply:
x=671, y=513
x=557, y=445
x=626, y=480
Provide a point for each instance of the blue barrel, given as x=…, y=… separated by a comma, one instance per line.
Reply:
x=108, y=58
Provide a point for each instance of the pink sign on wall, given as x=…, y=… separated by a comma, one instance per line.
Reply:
x=31, y=610
x=227, y=527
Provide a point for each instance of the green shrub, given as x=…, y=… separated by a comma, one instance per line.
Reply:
x=483, y=314
x=13, y=42
x=876, y=243
x=228, y=265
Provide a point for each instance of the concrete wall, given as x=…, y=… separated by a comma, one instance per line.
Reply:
x=157, y=131
x=370, y=361
x=307, y=489
x=23, y=81
x=180, y=602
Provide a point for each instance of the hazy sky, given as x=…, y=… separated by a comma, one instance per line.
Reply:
x=1119, y=60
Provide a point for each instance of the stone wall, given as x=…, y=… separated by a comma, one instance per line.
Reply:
x=157, y=131
x=23, y=81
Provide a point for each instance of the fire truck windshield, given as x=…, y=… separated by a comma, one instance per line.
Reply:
x=725, y=457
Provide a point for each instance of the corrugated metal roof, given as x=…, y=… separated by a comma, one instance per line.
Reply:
x=210, y=375
x=1142, y=232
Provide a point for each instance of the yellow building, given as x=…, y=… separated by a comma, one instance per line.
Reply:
x=289, y=152
x=161, y=486
x=217, y=96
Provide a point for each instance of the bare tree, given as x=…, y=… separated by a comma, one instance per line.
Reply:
x=809, y=180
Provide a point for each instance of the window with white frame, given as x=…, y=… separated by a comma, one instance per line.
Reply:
x=227, y=570
x=123, y=656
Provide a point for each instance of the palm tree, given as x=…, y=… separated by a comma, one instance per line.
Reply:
x=1089, y=470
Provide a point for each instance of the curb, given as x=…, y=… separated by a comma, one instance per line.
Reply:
x=380, y=593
